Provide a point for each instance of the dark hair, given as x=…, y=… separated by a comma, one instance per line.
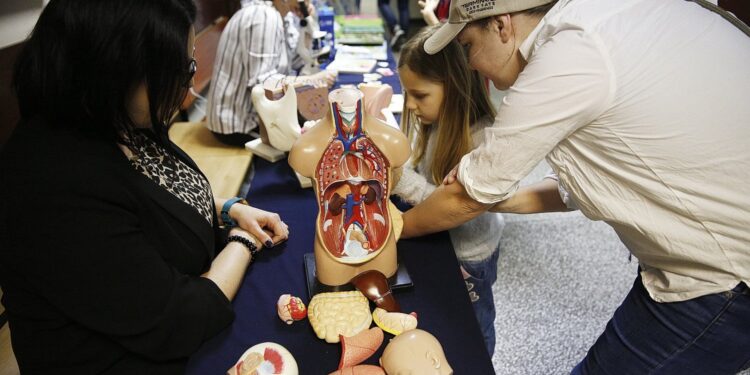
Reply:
x=539, y=11
x=85, y=58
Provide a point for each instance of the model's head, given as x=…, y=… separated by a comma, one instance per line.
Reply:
x=440, y=89
x=415, y=352
x=86, y=62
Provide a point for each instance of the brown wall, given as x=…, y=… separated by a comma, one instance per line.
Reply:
x=740, y=8
x=8, y=104
x=210, y=10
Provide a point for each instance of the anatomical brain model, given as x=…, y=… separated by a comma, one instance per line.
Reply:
x=349, y=155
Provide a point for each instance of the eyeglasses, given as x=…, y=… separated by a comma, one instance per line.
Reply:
x=192, y=68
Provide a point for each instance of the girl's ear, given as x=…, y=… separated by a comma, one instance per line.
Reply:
x=504, y=26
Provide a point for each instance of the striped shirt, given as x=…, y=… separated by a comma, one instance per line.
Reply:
x=253, y=46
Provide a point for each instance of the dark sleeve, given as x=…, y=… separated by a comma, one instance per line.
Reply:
x=85, y=251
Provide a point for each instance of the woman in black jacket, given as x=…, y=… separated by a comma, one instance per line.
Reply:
x=111, y=259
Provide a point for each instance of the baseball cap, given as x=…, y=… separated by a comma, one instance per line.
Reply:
x=464, y=11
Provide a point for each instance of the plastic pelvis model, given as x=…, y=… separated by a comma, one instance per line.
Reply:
x=278, y=117
x=265, y=358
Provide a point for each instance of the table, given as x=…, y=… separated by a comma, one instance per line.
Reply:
x=438, y=296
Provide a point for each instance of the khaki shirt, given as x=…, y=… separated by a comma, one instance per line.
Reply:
x=642, y=108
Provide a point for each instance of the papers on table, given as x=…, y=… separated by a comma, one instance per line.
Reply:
x=357, y=59
x=362, y=52
x=351, y=65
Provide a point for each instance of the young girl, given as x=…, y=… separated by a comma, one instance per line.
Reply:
x=446, y=108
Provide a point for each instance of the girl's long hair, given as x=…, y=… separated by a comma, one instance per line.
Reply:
x=465, y=101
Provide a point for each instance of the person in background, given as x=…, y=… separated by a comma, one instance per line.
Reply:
x=259, y=41
x=644, y=118
x=111, y=256
x=398, y=27
x=434, y=11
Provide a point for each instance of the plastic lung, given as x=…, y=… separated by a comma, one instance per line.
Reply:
x=353, y=185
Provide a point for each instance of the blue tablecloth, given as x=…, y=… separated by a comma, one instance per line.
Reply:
x=353, y=79
x=438, y=295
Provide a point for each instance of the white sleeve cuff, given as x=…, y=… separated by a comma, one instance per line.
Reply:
x=481, y=194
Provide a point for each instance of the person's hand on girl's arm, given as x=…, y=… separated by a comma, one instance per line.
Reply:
x=428, y=8
x=451, y=176
x=543, y=196
x=263, y=225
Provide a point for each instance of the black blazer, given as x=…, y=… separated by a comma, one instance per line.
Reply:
x=99, y=265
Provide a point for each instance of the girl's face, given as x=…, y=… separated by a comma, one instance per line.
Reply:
x=423, y=97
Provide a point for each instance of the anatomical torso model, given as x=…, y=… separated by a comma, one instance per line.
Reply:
x=350, y=156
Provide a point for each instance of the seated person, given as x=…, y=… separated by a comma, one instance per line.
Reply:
x=258, y=42
x=111, y=257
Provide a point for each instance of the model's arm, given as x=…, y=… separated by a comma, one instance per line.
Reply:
x=447, y=207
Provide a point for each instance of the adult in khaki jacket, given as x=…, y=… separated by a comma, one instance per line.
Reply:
x=640, y=107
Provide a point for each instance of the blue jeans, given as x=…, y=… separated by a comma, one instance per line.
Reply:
x=704, y=335
x=479, y=285
x=390, y=19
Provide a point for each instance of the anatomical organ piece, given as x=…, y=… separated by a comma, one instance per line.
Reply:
x=353, y=185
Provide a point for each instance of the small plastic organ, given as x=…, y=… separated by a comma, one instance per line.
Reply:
x=339, y=313
x=360, y=370
x=394, y=322
x=265, y=358
x=290, y=308
x=352, y=178
x=356, y=349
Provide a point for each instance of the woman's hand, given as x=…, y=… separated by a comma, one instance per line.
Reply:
x=266, y=226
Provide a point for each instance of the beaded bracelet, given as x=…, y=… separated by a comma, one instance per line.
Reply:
x=249, y=244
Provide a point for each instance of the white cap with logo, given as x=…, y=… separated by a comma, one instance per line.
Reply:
x=464, y=11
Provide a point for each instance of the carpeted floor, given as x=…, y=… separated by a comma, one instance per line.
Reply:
x=560, y=278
